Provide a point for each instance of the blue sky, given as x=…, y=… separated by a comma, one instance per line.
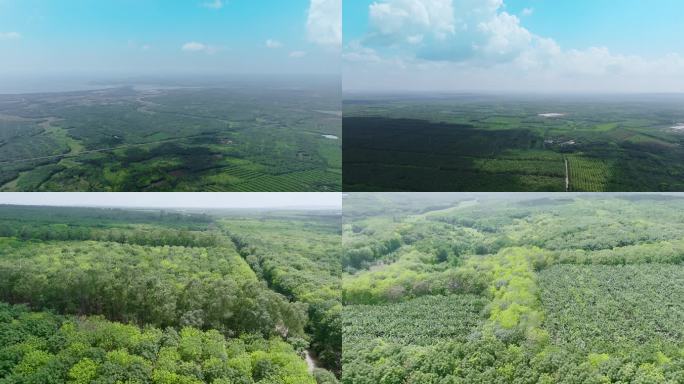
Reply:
x=153, y=36
x=648, y=28
x=514, y=45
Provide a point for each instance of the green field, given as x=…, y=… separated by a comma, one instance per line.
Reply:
x=230, y=136
x=506, y=143
x=94, y=295
x=526, y=288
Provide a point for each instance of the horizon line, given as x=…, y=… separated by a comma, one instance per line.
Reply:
x=131, y=207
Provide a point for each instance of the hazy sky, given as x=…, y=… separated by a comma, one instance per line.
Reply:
x=514, y=45
x=177, y=200
x=170, y=36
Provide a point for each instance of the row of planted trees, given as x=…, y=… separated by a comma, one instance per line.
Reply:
x=141, y=235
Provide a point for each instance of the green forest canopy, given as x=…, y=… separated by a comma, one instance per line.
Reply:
x=575, y=289
x=165, y=273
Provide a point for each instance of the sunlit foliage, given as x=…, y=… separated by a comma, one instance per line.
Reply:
x=569, y=289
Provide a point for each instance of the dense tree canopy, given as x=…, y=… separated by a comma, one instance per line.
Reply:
x=40, y=347
x=574, y=290
x=210, y=288
x=302, y=270
x=163, y=280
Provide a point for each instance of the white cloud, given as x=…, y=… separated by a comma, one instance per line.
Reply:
x=409, y=20
x=527, y=12
x=216, y=4
x=504, y=36
x=10, y=36
x=194, y=46
x=476, y=44
x=273, y=44
x=297, y=54
x=356, y=52
x=448, y=30
x=324, y=24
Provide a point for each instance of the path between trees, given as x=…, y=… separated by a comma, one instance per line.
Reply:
x=310, y=361
x=567, y=175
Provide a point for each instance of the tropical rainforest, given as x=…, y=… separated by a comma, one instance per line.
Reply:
x=513, y=289
x=506, y=143
x=94, y=295
x=178, y=134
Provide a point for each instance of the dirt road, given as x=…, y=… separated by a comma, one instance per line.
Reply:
x=567, y=175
